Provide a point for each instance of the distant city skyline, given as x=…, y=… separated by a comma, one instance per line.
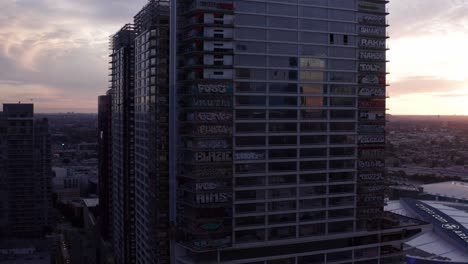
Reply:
x=55, y=53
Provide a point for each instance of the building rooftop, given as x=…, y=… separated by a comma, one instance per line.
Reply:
x=91, y=202
x=435, y=245
x=453, y=189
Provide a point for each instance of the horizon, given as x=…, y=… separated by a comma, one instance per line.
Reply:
x=63, y=66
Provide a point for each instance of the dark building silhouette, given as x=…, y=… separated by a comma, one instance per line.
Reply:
x=152, y=133
x=105, y=164
x=122, y=71
x=25, y=176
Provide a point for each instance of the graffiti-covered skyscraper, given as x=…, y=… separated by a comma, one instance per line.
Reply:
x=280, y=123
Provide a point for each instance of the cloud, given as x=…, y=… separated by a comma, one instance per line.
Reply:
x=424, y=84
x=421, y=17
x=58, y=48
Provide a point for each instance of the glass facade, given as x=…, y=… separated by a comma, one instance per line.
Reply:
x=300, y=62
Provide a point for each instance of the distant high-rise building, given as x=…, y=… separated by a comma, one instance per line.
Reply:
x=260, y=133
x=25, y=176
x=123, y=135
x=105, y=164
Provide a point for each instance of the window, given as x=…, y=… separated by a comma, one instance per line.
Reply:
x=250, y=128
x=312, y=203
x=312, y=63
x=340, y=213
x=250, y=221
x=312, y=191
x=250, y=141
x=282, y=22
x=282, y=140
x=250, y=33
x=250, y=87
x=283, y=75
x=341, y=176
x=342, y=52
x=282, y=166
x=283, y=88
x=340, y=27
x=283, y=114
x=275, y=61
x=342, y=139
x=282, y=206
x=250, y=168
x=341, y=201
x=311, y=259
x=343, y=89
x=251, y=47
x=313, y=153
x=250, y=181
x=340, y=227
x=339, y=152
x=312, y=89
x=282, y=193
x=250, y=60
x=312, y=216
x=250, y=20
x=250, y=7
x=313, y=127
x=281, y=218
x=313, y=140
x=313, y=114
x=283, y=101
x=341, y=15
x=311, y=50
x=282, y=180
x=282, y=35
x=279, y=9
x=313, y=12
x=250, y=236
x=313, y=25
x=313, y=165
x=282, y=233
x=342, y=114
x=340, y=189
x=312, y=230
x=250, y=195
x=342, y=164
x=282, y=48
x=312, y=76
x=250, y=114
x=313, y=178
x=283, y=127
x=250, y=101
x=250, y=208
x=342, y=77
x=251, y=74
x=313, y=101
x=342, y=127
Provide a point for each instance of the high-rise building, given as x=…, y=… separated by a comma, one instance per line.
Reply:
x=122, y=78
x=280, y=124
x=152, y=133
x=260, y=133
x=105, y=164
x=25, y=176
